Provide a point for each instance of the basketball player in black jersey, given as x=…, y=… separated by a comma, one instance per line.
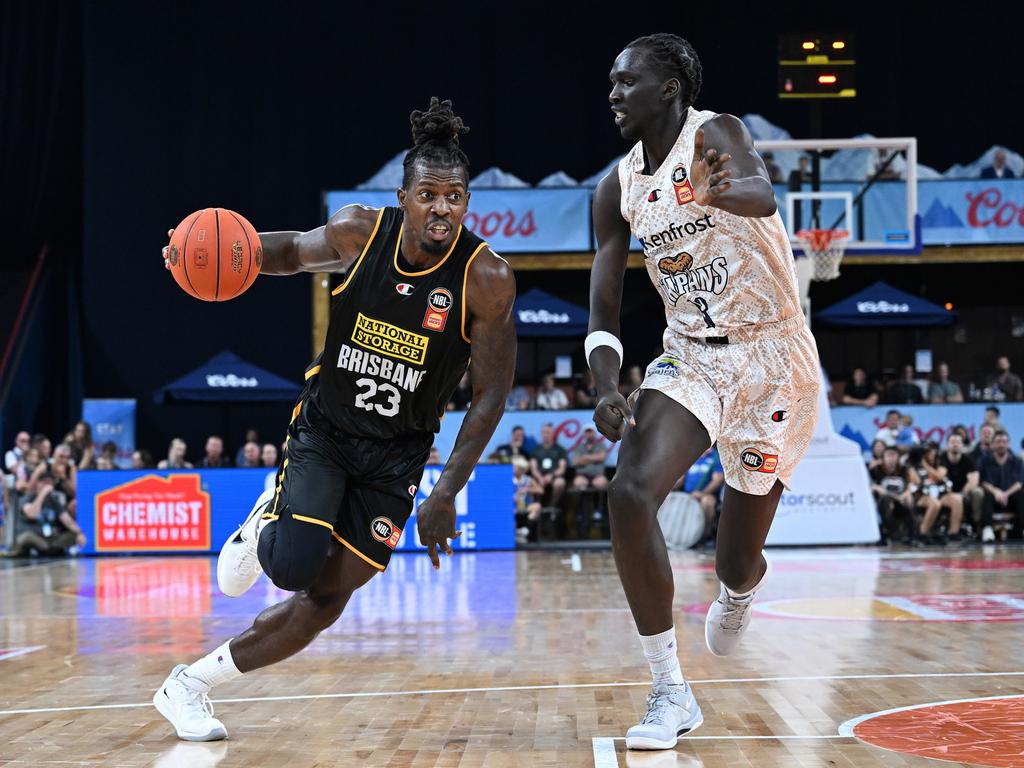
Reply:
x=420, y=294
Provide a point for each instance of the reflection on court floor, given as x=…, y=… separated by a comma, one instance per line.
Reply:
x=523, y=659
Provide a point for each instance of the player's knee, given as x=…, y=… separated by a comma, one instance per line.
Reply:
x=293, y=576
x=737, y=572
x=629, y=495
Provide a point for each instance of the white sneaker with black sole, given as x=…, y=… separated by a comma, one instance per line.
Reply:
x=238, y=566
x=672, y=711
x=729, y=616
x=189, y=711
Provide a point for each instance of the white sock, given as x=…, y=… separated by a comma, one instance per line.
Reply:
x=750, y=592
x=660, y=651
x=213, y=669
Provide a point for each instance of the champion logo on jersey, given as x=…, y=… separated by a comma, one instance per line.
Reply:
x=404, y=288
x=654, y=196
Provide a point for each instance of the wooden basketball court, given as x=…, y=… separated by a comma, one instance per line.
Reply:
x=526, y=659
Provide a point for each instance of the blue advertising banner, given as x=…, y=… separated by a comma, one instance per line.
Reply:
x=196, y=510
x=982, y=211
x=931, y=422
x=112, y=421
x=511, y=220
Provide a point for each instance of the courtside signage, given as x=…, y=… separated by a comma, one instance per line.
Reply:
x=153, y=513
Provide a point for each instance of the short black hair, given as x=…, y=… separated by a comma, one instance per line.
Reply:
x=993, y=409
x=435, y=138
x=674, y=57
x=890, y=412
x=999, y=432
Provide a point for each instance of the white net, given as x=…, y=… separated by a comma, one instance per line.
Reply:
x=825, y=247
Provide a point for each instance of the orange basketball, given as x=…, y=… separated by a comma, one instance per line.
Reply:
x=215, y=254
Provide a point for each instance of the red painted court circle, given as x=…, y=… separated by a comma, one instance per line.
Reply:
x=986, y=732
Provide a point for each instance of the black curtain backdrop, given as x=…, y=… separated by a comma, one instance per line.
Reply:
x=259, y=107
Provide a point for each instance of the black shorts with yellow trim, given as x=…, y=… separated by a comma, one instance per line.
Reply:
x=361, y=488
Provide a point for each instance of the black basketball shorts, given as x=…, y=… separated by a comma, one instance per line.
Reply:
x=361, y=488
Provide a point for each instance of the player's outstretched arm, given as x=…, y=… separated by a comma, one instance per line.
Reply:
x=726, y=171
x=611, y=411
x=490, y=293
x=330, y=248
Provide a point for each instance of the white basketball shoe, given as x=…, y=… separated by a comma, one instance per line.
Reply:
x=189, y=711
x=238, y=565
x=729, y=616
x=672, y=711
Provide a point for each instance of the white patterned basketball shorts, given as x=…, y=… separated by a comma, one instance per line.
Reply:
x=758, y=399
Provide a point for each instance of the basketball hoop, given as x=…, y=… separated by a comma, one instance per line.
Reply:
x=826, y=248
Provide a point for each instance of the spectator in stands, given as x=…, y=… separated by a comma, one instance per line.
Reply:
x=634, y=378
x=1005, y=385
x=703, y=481
x=26, y=476
x=109, y=449
x=65, y=475
x=801, y=174
x=434, y=457
x=14, y=457
x=964, y=482
x=859, y=391
x=527, y=493
x=877, y=449
x=250, y=455
x=588, y=459
x=548, y=462
x=142, y=459
x=516, y=446
x=104, y=462
x=42, y=444
x=1001, y=478
x=518, y=399
x=984, y=445
x=549, y=397
x=894, y=434
x=463, y=394
x=904, y=390
x=998, y=169
x=269, y=456
x=774, y=172
x=83, y=452
x=586, y=391
x=175, y=456
x=214, y=458
x=933, y=491
x=251, y=436
x=51, y=528
x=942, y=390
x=890, y=484
x=992, y=418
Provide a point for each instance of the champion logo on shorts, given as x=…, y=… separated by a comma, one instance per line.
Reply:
x=383, y=530
x=412, y=490
x=755, y=461
x=780, y=415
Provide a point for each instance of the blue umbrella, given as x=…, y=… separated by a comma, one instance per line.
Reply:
x=882, y=305
x=226, y=378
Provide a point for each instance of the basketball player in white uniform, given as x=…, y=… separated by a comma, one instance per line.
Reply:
x=739, y=368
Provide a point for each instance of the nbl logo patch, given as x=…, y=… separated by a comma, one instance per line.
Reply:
x=755, y=461
x=439, y=302
x=384, y=531
x=684, y=192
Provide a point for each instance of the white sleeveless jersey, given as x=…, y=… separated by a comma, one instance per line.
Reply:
x=715, y=271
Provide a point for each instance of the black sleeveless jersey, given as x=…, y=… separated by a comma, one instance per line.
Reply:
x=398, y=339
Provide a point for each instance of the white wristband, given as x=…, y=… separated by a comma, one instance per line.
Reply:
x=602, y=339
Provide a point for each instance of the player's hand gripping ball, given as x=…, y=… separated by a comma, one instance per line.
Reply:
x=214, y=254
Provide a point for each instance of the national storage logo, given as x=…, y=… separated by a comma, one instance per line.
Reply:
x=390, y=340
x=154, y=513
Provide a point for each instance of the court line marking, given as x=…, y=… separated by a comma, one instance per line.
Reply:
x=496, y=689
x=846, y=729
x=37, y=566
x=604, y=753
x=14, y=653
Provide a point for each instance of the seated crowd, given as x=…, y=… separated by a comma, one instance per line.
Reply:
x=910, y=388
x=38, y=503
x=927, y=495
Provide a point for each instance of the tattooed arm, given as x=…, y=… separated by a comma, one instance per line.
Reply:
x=490, y=292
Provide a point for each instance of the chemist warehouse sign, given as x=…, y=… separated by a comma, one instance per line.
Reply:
x=153, y=513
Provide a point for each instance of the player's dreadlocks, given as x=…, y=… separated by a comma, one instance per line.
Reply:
x=673, y=56
x=435, y=136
